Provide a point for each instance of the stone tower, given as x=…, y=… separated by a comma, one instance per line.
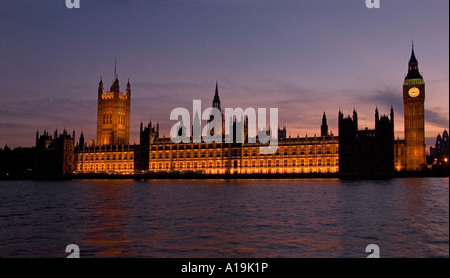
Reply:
x=113, y=114
x=413, y=101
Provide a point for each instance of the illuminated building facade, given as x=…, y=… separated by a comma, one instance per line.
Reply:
x=399, y=155
x=440, y=152
x=113, y=114
x=414, y=121
x=294, y=155
x=118, y=159
x=353, y=152
x=112, y=153
x=160, y=155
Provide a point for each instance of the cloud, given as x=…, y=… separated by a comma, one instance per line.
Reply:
x=386, y=98
x=21, y=118
x=297, y=104
x=382, y=98
x=11, y=125
x=300, y=107
x=436, y=118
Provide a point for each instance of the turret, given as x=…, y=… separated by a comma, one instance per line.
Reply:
x=81, y=140
x=216, y=100
x=355, y=119
x=324, y=127
x=392, y=114
x=128, y=90
x=100, y=87
x=377, y=117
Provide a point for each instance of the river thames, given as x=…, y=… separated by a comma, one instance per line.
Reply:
x=283, y=218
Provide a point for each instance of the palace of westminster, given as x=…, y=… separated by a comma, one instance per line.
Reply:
x=352, y=152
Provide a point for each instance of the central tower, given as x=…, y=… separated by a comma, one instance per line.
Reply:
x=113, y=114
x=414, y=111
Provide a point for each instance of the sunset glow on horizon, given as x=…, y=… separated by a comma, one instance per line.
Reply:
x=302, y=57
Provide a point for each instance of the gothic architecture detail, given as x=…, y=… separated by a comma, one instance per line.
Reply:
x=414, y=116
x=324, y=126
x=113, y=114
x=54, y=154
x=366, y=152
x=354, y=152
x=160, y=156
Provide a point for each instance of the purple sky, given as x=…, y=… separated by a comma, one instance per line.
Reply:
x=300, y=56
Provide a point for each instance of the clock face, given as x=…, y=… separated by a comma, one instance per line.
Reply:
x=414, y=92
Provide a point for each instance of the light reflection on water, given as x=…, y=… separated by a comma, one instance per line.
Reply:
x=225, y=218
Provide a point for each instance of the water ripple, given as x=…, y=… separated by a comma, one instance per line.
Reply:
x=226, y=218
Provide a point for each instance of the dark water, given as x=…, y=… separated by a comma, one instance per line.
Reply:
x=242, y=218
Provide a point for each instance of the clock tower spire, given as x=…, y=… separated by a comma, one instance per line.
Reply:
x=414, y=115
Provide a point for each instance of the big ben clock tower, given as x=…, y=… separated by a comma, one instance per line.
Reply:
x=413, y=102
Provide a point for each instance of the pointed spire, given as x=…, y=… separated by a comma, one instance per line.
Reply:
x=100, y=87
x=216, y=100
x=115, y=85
x=413, y=66
x=324, y=126
x=115, y=68
x=413, y=55
x=377, y=117
x=355, y=119
x=81, y=140
x=128, y=90
x=217, y=89
x=392, y=113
